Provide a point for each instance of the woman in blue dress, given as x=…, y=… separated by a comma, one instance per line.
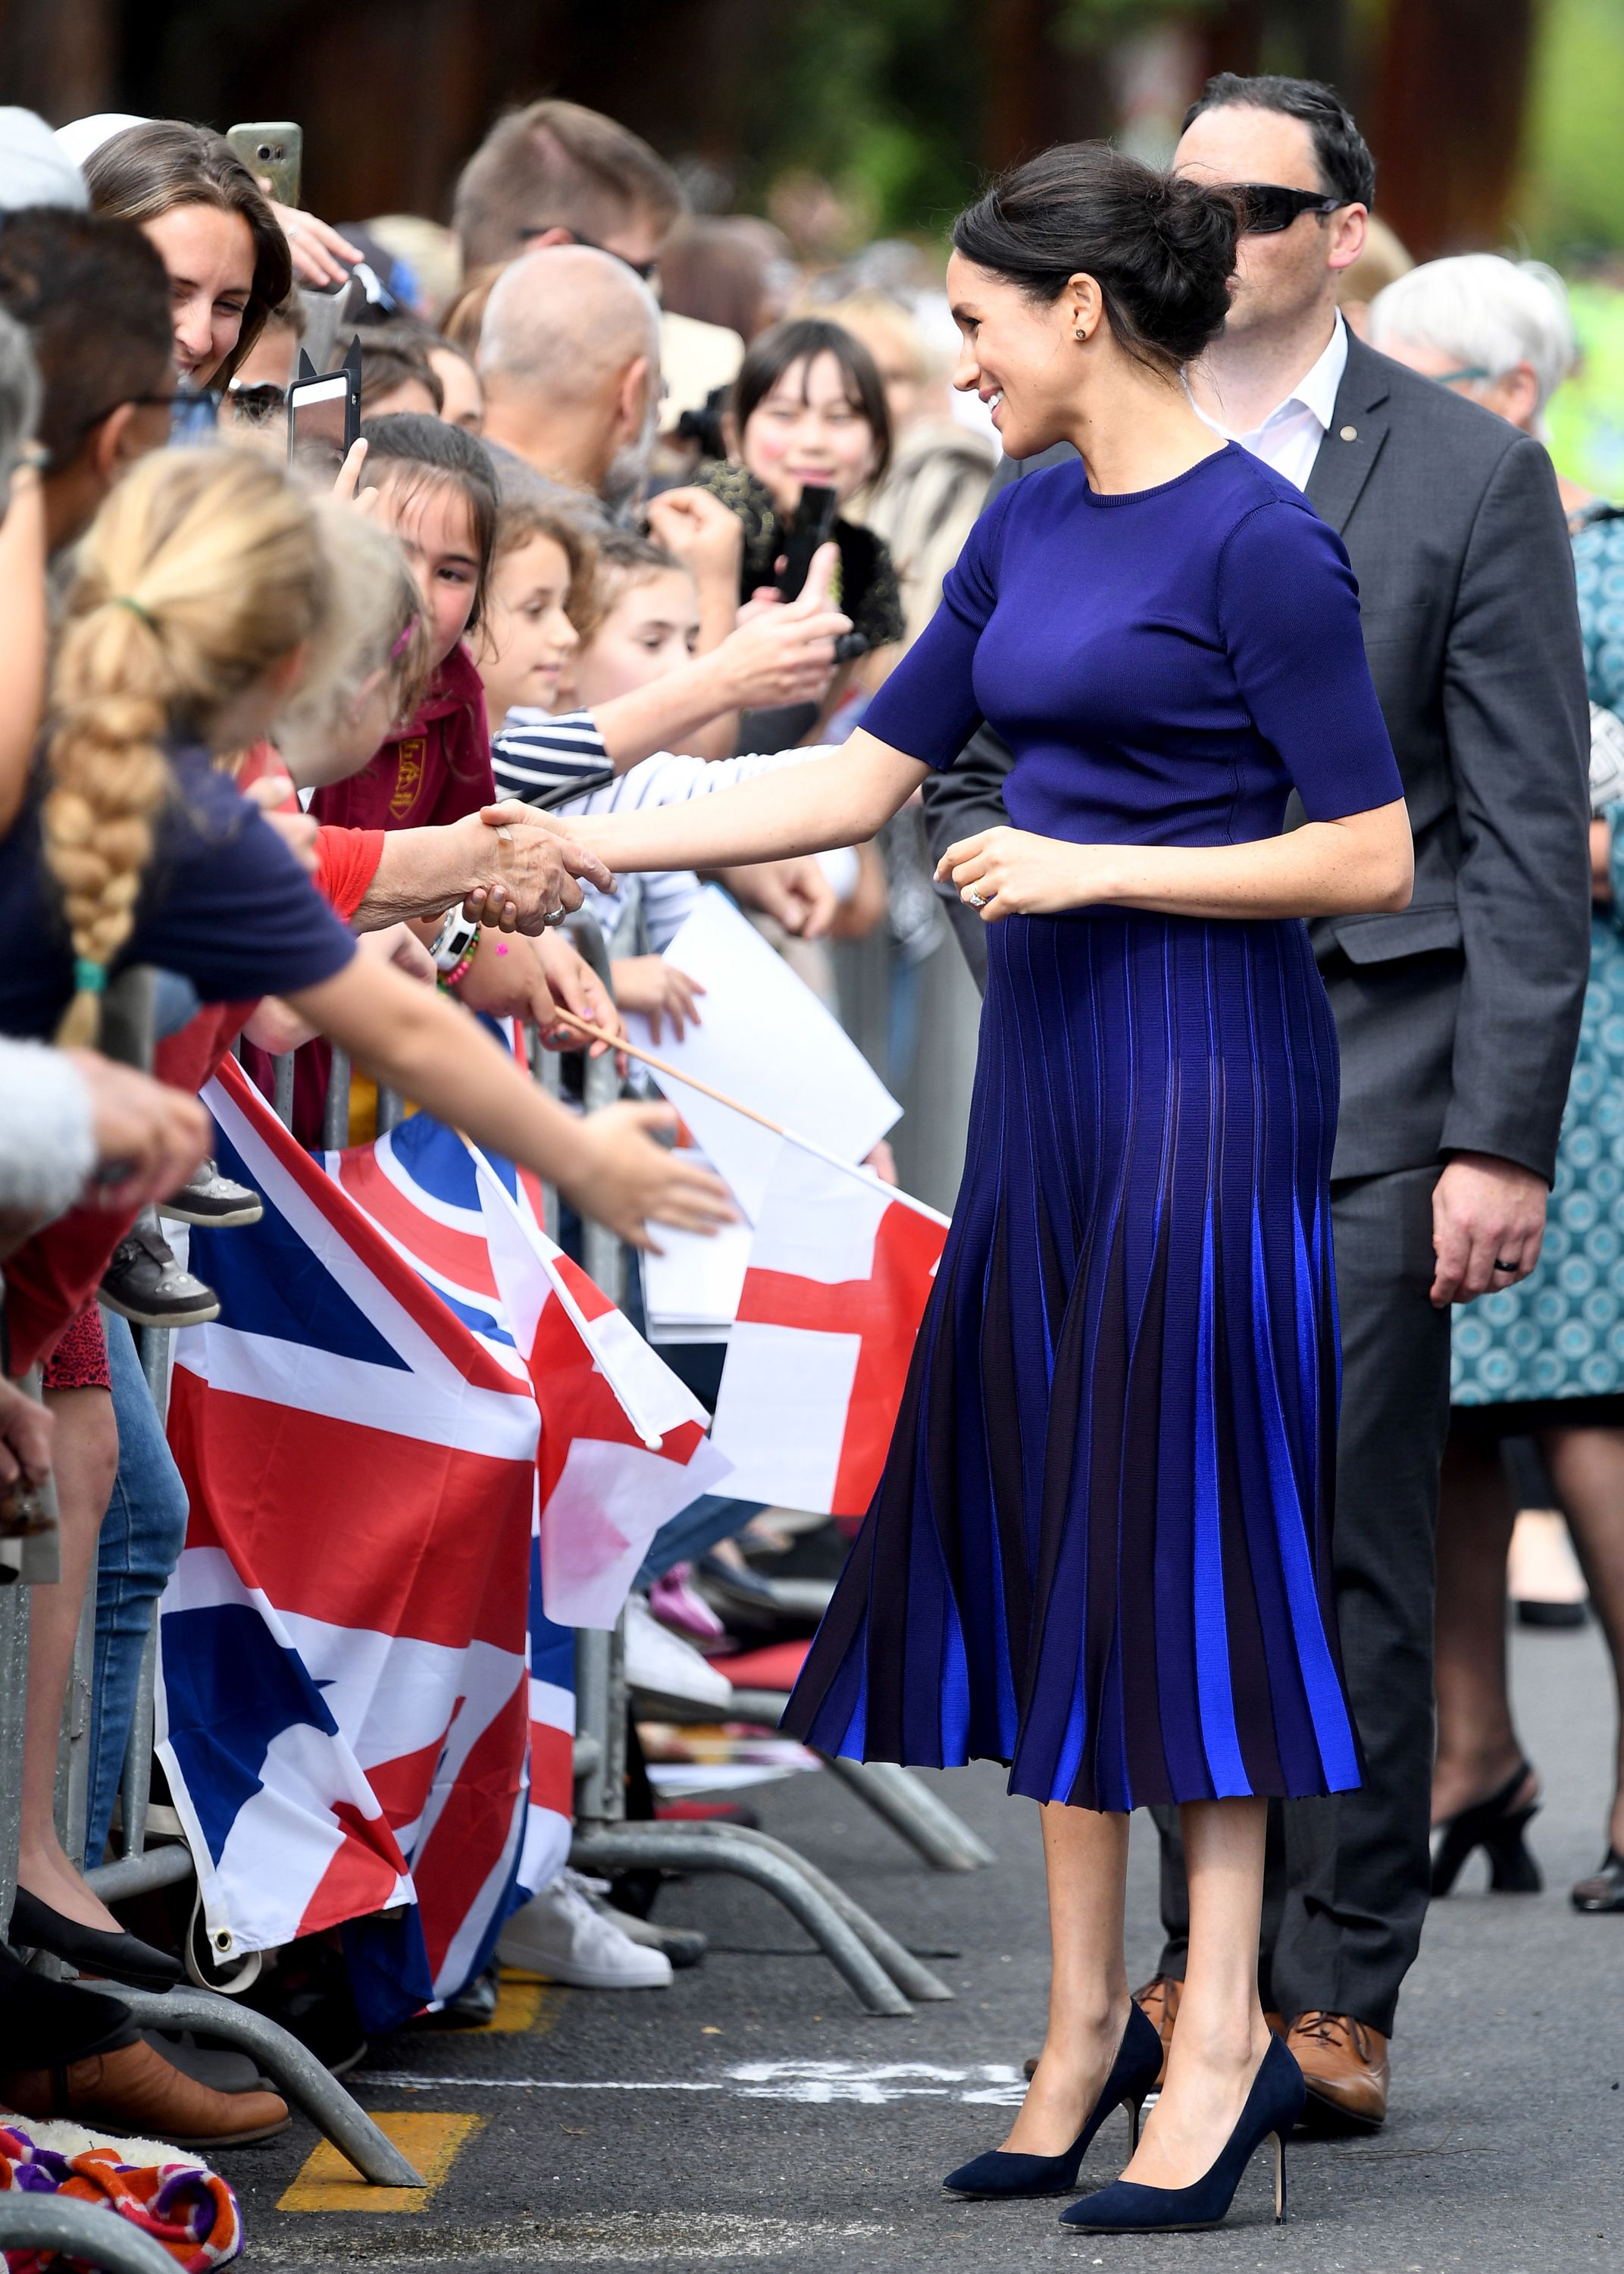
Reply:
x=1100, y=1550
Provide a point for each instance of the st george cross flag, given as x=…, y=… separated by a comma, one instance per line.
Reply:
x=344, y=1705
x=840, y=1268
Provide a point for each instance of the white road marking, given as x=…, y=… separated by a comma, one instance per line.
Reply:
x=870, y=2084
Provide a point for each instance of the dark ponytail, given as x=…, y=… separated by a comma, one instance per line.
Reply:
x=1162, y=249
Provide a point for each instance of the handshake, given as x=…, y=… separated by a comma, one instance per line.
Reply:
x=524, y=872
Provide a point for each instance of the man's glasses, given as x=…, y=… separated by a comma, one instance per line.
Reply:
x=647, y=269
x=1267, y=209
x=1467, y=371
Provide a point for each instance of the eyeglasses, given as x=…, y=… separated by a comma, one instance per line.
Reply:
x=647, y=269
x=1467, y=371
x=1266, y=207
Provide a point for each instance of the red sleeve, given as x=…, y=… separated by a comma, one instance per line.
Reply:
x=346, y=863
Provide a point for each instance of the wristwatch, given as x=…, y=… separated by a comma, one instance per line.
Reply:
x=455, y=941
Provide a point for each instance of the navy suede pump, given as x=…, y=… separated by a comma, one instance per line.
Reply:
x=1134, y=2075
x=1273, y=2107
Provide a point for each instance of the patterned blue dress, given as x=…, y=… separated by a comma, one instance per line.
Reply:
x=1101, y=1548
x=1551, y=1349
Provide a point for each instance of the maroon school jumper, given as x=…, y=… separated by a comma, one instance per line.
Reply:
x=435, y=771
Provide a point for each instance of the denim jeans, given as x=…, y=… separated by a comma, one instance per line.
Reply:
x=142, y=1534
x=692, y=1532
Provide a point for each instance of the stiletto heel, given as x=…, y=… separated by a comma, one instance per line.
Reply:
x=1272, y=2106
x=1136, y=2110
x=1002, y=2171
x=1499, y=1829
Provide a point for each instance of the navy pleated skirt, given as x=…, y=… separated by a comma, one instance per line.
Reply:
x=1099, y=1551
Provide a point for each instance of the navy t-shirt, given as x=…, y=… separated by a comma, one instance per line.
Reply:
x=225, y=904
x=1166, y=664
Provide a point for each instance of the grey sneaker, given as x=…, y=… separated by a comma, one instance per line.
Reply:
x=214, y=1201
x=146, y=1285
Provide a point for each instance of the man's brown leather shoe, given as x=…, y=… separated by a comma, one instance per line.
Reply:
x=136, y=2090
x=1344, y=2066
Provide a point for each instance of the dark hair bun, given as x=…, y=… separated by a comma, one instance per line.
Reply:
x=1161, y=248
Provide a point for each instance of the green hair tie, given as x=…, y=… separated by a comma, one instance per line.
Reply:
x=125, y=600
x=89, y=978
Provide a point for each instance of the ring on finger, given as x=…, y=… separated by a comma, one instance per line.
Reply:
x=1501, y=1265
x=551, y=916
x=973, y=898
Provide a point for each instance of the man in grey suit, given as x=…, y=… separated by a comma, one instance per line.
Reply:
x=1457, y=1018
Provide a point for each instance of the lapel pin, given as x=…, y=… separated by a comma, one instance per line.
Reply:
x=1348, y=433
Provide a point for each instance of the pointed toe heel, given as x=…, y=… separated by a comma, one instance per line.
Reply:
x=1001, y=2175
x=1272, y=2106
x=1500, y=1828
x=93, y=1950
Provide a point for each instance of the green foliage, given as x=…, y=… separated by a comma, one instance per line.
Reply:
x=1572, y=193
x=883, y=97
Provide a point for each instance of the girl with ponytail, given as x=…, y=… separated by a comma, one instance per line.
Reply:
x=201, y=604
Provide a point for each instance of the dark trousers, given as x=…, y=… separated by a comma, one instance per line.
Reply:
x=1347, y=1877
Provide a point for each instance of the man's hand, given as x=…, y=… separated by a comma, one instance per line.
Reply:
x=25, y=1437
x=786, y=654
x=1488, y=1222
x=700, y=530
x=148, y=1137
x=795, y=892
x=523, y=867
x=649, y=984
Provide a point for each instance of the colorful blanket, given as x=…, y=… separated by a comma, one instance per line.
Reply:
x=189, y=2209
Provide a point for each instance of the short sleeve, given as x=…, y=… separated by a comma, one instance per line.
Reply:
x=347, y=860
x=1289, y=611
x=927, y=708
x=228, y=906
x=537, y=757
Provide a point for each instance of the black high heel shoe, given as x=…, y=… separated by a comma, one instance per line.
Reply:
x=1604, y=1890
x=92, y=1949
x=1272, y=2106
x=1497, y=1826
x=1002, y=2171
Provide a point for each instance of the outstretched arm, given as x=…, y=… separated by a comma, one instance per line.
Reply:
x=839, y=799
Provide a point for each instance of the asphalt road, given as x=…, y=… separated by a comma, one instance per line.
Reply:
x=752, y=2116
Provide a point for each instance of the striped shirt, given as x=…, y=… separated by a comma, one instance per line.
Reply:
x=536, y=756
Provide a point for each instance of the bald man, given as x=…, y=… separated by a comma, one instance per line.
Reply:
x=569, y=358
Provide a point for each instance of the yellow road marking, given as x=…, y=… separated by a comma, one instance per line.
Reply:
x=525, y=2002
x=329, y=2181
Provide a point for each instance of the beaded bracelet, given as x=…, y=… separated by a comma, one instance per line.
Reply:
x=451, y=980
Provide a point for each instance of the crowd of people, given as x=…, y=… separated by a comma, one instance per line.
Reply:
x=301, y=756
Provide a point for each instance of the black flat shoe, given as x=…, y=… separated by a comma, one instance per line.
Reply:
x=116, y=1957
x=1604, y=1890
x=1496, y=1825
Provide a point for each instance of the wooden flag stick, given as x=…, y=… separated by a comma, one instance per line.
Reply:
x=674, y=1074
x=734, y=1105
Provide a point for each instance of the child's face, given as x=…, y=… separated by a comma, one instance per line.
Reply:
x=807, y=430
x=526, y=638
x=343, y=747
x=649, y=630
x=435, y=525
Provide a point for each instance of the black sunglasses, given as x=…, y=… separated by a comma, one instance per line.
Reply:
x=1267, y=209
x=646, y=269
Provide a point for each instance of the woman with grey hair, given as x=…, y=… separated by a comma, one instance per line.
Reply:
x=1545, y=1359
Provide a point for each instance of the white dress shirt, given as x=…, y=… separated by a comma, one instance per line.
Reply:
x=1289, y=439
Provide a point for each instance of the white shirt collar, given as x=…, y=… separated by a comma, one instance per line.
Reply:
x=1315, y=392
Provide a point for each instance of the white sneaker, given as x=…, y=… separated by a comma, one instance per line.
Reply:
x=558, y=1933
x=662, y=1663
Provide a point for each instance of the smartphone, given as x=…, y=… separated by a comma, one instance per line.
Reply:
x=273, y=150
x=814, y=526
x=324, y=413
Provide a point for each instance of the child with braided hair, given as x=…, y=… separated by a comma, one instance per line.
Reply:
x=197, y=609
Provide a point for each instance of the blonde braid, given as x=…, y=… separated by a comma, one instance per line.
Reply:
x=202, y=570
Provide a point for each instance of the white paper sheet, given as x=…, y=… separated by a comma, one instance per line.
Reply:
x=765, y=1039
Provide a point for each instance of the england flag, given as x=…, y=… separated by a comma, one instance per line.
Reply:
x=840, y=1269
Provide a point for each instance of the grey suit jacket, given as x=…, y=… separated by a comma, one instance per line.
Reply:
x=1457, y=1018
